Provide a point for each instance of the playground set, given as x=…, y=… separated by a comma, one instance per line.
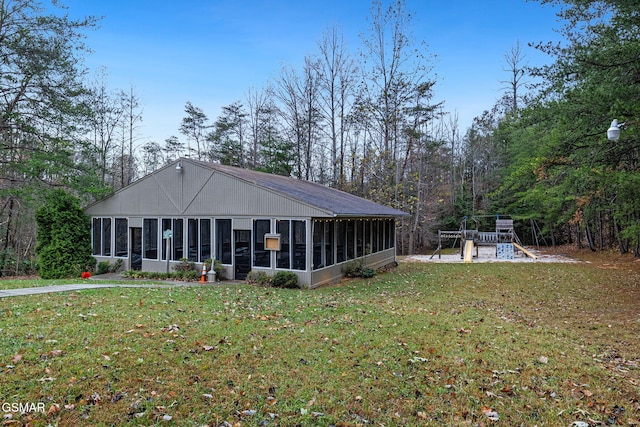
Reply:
x=504, y=238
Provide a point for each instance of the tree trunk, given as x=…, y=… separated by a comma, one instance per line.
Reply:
x=622, y=245
x=589, y=236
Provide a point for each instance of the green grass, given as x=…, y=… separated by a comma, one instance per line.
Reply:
x=33, y=283
x=426, y=344
x=37, y=282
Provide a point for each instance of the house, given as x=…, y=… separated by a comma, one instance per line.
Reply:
x=247, y=220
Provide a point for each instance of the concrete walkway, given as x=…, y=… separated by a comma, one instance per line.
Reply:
x=97, y=282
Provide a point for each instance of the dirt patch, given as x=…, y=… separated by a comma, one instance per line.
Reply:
x=488, y=254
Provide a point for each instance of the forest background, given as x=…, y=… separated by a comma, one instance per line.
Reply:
x=365, y=122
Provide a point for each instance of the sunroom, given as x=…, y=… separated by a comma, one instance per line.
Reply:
x=247, y=220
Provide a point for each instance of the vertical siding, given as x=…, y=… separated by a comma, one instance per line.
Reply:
x=200, y=192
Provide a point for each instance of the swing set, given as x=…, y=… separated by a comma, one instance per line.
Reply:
x=504, y=238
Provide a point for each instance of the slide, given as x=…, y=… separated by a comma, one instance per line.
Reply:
x=468, y=250
x=524, y=251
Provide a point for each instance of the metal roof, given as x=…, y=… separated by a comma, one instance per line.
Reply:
x=336, y=202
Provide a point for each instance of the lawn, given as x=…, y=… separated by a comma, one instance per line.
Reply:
x=425, y=344
x=36, y=282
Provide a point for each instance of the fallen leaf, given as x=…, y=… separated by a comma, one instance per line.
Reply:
x=17, y=358
x=490, y=414
x=54, y=409
x=508, y=391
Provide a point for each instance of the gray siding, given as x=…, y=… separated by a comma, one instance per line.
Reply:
x=333, y=274
x=202, y=190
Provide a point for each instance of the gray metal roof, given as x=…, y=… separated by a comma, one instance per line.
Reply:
x=337, y=202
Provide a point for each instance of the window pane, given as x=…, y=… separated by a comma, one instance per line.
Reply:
x=367, y=237
x=122, y=237
x=192, y=239
x=223, y=240
x=341, y=237
x=387, y=227
x=166, y=226
x=97, y=233
x=150, y=238
x=261, y=257
x=351, y=254
x=375, y=235
x=299, y=245
x=283, y=256
x=392, y=233
x=205, y=239
x=359, y=239
x=328, y=243
x=178, y=239
x=318, y=234
x=106, y=236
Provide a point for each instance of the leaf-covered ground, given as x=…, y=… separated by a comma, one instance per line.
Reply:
x=425, y=344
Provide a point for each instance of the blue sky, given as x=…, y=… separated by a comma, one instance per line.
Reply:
x=211, y=52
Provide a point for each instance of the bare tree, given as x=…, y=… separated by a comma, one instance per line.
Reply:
x=257, y=101
x=132, y=117
x=107, y=113
x=395, y=69
x=516, y=67
x=455, y=143
x=298, y=94
x=337, y=74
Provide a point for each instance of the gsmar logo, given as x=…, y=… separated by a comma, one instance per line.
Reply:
x=23, y=407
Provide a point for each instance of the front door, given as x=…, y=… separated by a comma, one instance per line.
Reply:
x=136, y=248
x=242, y=257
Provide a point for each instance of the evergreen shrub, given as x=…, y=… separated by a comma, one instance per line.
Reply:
x=356, y=268
x=259, y=278
x=64, y=237
x=284, y=279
